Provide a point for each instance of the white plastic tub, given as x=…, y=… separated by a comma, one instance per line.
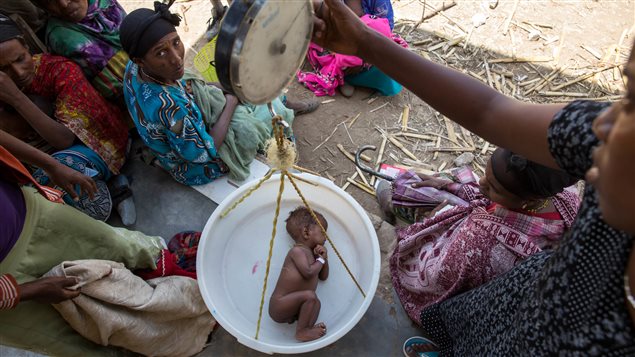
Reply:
x=232, y=258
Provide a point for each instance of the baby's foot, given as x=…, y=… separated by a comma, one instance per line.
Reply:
x=312, y=333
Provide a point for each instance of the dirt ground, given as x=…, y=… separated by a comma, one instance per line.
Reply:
x=570, y=34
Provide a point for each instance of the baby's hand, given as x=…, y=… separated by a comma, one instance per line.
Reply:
x=320, y=250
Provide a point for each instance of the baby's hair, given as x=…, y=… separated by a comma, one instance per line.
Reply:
x=301, y=217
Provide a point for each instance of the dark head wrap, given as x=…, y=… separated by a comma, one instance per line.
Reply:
x=527, y=179
x=143, y=28
x=8, y=29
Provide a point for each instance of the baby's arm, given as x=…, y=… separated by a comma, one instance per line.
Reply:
x=306, y=269
x=320, y=251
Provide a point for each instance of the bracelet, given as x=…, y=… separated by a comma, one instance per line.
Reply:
x=628, y=292
x=321, y=260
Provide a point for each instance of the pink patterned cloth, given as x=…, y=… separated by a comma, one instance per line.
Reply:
x=465, y=247
x=328, y=67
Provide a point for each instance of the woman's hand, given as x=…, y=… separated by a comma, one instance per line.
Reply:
x=50, y=290
x=67, y=178
x=337, y=28
x=431, y=181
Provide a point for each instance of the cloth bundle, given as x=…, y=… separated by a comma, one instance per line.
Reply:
x=159, y=317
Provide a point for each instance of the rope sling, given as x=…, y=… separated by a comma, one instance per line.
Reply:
x=281, y=156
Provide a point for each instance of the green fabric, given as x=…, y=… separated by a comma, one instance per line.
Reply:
x=249, y=129
x=54, y=233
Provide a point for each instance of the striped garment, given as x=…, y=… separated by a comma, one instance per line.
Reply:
x=9, y=295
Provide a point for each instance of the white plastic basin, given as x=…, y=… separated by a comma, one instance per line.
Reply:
x=232, y=257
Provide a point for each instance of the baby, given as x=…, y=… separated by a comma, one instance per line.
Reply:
x=294, y=297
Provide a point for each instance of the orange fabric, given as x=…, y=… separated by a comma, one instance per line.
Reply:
x=14, y=171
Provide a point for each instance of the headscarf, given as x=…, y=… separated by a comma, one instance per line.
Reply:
x=8, y=29
x=527, y=179
x=143, y=28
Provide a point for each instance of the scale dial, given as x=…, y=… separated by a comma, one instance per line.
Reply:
x=261, y=45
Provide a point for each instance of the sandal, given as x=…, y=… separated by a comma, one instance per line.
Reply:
x=418, y=346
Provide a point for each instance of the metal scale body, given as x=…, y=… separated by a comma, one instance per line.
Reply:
x=261, y=45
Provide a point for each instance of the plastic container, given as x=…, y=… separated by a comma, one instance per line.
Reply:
x=232, y=257
x=204, y=59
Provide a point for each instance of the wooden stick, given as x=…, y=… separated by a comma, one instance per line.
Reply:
x=467, y=136
x=563, y=94
x=450, y=128
x=485, y=147
x=345, y=186
x=489, y=74
x=361, y=186
x=398, y=144
x=521, y=59
x=349, y=134
x=453, y=149
x=327, y=138
x=592, y=51
x=379, y=107
x=581, y=78
x=437, y=11
x=509, y=18
x=350, y=124
x=404, y=118
x=416, y=136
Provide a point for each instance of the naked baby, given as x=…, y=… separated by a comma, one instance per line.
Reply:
x=294, y=297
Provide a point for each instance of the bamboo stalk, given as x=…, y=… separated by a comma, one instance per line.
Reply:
x=521, y=59
x=350, y=124
x=404, y=118
x=379, y=107
x=509, y=19
x=361, y=186
x=345, y=186
x=398, y=144
x=581, y=78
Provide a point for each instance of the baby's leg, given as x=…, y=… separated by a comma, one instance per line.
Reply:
x=287, y=307
x=307, y=329
x=303, y=305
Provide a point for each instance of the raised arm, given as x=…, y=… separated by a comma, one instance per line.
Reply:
x=504, y=121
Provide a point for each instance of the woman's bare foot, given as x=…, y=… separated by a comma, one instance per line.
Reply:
x=302, y=107
x=312, y=333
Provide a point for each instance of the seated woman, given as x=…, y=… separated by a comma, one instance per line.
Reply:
x=38, y=232
x=83, y=131
x=196, y=135
x=332, y=70
x=519, y=208
x=87, y=32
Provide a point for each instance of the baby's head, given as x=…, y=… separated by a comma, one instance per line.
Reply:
x=304, y=229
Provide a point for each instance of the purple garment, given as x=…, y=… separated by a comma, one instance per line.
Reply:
x=93, y=41
x=12, y=216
